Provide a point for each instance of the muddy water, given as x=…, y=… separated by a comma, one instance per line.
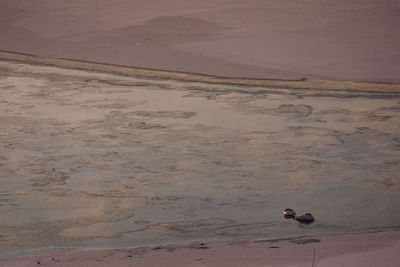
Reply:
x=96, y=160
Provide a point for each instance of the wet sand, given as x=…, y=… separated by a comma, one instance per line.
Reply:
x=369, y=250
x=101, y=159
x=291, y=39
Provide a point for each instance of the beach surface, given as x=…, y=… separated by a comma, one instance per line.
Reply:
x=291, y=39
x=367, y=250
x=174, y=133
x=100, y=156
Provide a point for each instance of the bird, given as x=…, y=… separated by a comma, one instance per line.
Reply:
x=289, y=213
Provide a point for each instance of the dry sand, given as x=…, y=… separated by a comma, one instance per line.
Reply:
x=346, y=39
x=367, y=250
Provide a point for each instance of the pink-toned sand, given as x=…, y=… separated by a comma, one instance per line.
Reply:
x=333, y=39
x=374, y=249
x=338, y=39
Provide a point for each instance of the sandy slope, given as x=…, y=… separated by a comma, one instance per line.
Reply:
x=348, y=39
x=367, y=250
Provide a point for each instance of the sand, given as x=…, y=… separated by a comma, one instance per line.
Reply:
x=141, y=155
x=255, y=84
x=292, y=39
x=100, y=156
x=368, y=250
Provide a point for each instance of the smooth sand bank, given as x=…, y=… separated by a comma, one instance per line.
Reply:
x=297, y=84
x=347, y=39
x=367, y=250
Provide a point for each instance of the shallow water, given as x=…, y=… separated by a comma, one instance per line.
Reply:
x=96, y=160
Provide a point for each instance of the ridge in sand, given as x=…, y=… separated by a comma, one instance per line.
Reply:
x=308, y=84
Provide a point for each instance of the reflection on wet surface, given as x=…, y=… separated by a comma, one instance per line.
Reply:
x=95, y=160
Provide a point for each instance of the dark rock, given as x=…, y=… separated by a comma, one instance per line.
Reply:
x=305, y=218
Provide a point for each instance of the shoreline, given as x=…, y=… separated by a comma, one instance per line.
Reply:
x=367, y=249
x=147, y=73
x=242, y=38
x=190, y=243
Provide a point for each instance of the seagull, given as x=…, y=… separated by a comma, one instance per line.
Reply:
x=289, y=213
x=304, y=218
